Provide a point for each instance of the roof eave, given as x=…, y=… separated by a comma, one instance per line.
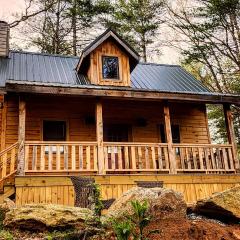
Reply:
x=127, y=93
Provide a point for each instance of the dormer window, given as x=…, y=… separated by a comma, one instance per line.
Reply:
x=110, y=67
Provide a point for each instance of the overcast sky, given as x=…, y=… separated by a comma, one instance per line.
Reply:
x=9, y=8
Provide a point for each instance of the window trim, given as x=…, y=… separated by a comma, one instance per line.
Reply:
x=118, y=67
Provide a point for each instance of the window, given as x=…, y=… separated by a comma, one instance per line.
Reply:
x=110, y=68
x=175, y=133
x=54, y=131
x=116, y=133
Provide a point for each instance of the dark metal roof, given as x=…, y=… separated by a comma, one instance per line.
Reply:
x=55, y=70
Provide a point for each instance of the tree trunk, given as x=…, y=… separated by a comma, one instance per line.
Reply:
x=57, y=40
x=74, y=28
x=144, y=50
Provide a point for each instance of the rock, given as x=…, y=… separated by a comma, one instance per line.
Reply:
x=47, y=216
x=236, y=234
x=8, y=204
x=224, y=206
x=163, y=203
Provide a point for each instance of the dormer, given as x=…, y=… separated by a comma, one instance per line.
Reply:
x=108, y=60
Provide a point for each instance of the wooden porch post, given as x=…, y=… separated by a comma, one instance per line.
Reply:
x=99, y=133
x=21, y=136
x=4, y=123
x=168, y=132
x=230, y=132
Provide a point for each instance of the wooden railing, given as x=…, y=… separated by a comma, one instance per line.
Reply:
x=122, y=158
x=208, y=158
x=135, y=157
x=60, y=157
x=8, y=160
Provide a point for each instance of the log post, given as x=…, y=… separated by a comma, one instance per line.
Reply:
x=168, y=132
x=21, y=136
x=4, y=123
x=230, y=132
x=99, y=134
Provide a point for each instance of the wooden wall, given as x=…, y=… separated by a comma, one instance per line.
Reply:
x=9, y=121
x=191, y=118
x=109, y=48
x=59, y=190
x=73, y=111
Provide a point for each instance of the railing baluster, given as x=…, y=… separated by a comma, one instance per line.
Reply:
x=139, y=153
x=160, y=158
x=42, y=157
x=105, y=152
x=230, y=155
x=126, y=157
x=133, y=157
x=200, y=151
x=95, y=162
x=166, y=157
x=147, y=162
x=13, y=160
x=58, y=158
x=73, y=157
x=225, y=159
x=26, y=156
x=113, y=158
x=80, y=149
x=34, y=158
x=50, y=157
x=65, y=157
x=88, y=157
x=120, y=160
x=212, y=159
x=194, y=158
x=153, y=158
x=4, y=165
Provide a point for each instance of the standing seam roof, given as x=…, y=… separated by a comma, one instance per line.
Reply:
x=25, y=67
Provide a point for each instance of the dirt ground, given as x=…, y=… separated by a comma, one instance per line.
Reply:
x=194, y=230
x=177, y=229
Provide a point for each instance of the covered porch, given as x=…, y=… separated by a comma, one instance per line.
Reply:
x=121, y=137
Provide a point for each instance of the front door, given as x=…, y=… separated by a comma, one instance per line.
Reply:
x=116, y=133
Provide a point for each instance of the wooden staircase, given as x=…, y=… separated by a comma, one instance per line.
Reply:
x=8, y=161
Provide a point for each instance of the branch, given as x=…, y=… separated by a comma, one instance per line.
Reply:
x=28, y=15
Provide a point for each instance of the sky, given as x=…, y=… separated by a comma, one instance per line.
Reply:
x=9, y=9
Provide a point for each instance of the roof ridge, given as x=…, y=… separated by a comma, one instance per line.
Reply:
x=160, y=64
x=43, y=54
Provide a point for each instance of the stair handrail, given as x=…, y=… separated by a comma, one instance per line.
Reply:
x=8, y=148
x=4, y=165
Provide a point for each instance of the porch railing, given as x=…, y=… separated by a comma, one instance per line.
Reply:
x=207, y=158
x=136, y=157
x=60, y=156
x=54, y=157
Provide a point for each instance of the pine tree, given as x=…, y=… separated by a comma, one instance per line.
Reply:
x=138, y=22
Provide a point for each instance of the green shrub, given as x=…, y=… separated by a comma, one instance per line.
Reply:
x=135, y=224
x=123, y=230
x=6, y=235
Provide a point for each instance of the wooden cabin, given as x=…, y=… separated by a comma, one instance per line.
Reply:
x=110, y=117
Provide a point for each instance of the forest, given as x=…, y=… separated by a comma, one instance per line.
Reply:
x=206, y=33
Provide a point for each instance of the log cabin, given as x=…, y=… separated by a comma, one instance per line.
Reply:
x=107, y=116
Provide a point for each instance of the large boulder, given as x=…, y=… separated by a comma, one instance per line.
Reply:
x=224, y=206
x=163, y=203
x=47, y=216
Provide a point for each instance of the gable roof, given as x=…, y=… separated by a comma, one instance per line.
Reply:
x=109, y=33
x=58, y=70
